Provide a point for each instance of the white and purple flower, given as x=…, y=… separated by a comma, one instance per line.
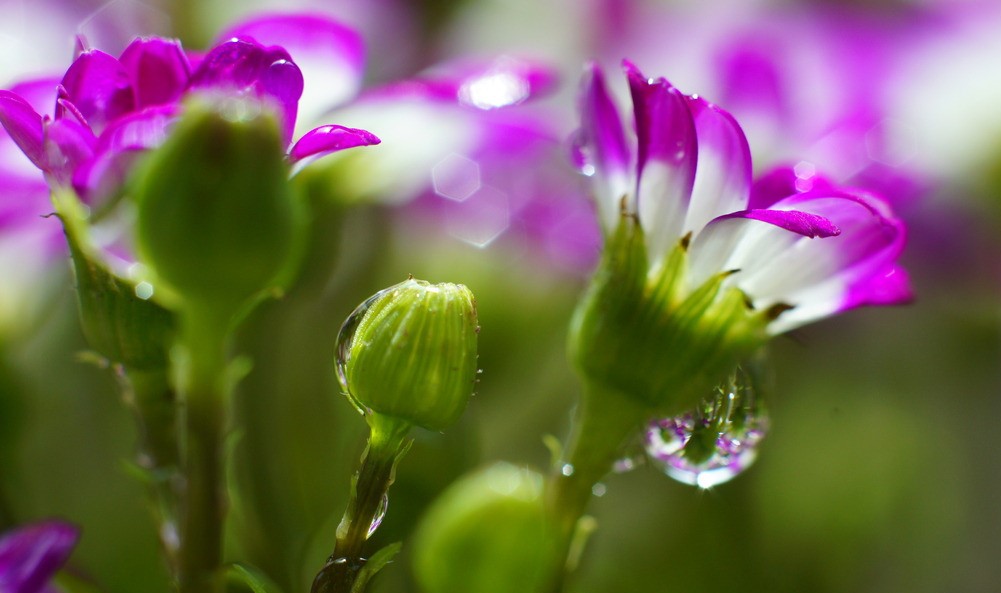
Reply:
x=31, y=555
x=793, y=243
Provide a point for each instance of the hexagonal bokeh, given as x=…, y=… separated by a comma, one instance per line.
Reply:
x=456, y=177
x=479, y=219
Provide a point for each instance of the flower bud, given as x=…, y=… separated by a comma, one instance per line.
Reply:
x=487, y=533
x=410, y=352
x=217, y=219
x=646, y=334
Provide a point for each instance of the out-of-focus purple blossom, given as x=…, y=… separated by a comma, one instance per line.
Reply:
x=31, y=555
x=106, y=110
x=467, y=145
x=794, y=240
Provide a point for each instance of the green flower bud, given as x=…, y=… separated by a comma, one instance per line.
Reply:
x=410, y=352
x=487, y=533
x=217, y=219
x=645, y=334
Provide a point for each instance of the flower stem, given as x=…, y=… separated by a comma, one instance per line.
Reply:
x=203, y=387
x=154, y=402
x=387, y=443
x=604, y=422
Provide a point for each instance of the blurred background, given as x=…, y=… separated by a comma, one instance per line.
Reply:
x=881, y=471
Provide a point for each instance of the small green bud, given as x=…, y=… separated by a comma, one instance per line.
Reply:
x=217, y=219
x=410, y=352
x=487, y=533
x=644, y=333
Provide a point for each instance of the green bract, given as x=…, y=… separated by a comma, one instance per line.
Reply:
x=410, y=352
x=488, y=533
x=119, y=319
x=647, y=335
x=217, y=218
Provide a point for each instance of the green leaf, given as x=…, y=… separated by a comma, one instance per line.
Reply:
x=376, y=563
x=250, y=576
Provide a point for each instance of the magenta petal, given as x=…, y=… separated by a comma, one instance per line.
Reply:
x=785, y=181
x=667, y=152
x=141, y=130
x=723, y=175
x=68, y=144
x=886, y=287
x=100, y=88
x=244, y=66
x=602, y=147
x=159, y=70
x=40, y=93
x=801, y=223
x=103, y=176
x=330, y=55
x=328, y=139
x=24, y=126
x=30, y=556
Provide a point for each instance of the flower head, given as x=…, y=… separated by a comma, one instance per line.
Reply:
x=31, y=555
x=87, y=129
x=700, y=268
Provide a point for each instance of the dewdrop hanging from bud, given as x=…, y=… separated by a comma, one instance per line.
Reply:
x=409, y=352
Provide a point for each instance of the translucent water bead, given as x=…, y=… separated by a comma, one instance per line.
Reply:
x=716, y=441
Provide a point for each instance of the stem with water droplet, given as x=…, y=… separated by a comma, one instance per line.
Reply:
x=605, y=420
x=387, y=444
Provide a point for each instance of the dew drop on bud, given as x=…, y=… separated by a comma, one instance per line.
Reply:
x=345, y=337
x=715, y=442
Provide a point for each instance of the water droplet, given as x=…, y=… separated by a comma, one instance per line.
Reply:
x=567, y=469
x=345, y=338
x=599, y=489
x=380, y=513
x=716, y=441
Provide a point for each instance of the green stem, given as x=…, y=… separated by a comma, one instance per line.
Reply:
x=154, y=402
x=203, y=387
x=604, y=422
x=387, y=443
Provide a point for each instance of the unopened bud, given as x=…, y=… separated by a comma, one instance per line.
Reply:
x=487, y=533
x=217, y=217
x=410, y=352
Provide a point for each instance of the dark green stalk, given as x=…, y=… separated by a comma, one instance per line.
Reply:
x=203, y=387
x=387, y=443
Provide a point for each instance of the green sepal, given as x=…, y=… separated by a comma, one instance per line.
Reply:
x=119, y=325
x=217, y=216
x=647, y=335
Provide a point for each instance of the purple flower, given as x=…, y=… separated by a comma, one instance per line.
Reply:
x=31, y=555
x=794, y=243
x=84, y=130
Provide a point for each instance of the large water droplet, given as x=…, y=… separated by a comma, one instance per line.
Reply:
x=380, y=513
x=345, y=338
x=716, y=441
